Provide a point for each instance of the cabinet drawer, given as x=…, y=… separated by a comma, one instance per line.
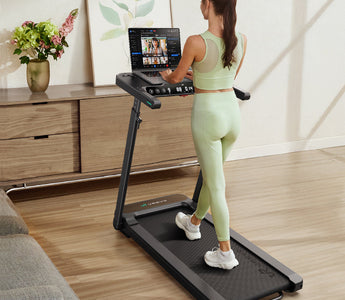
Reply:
x=40, y=156
x=38, y=119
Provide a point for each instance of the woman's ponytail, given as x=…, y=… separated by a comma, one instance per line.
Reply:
x=229, y=34
x=227, y=8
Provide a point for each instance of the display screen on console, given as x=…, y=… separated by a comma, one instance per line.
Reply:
x=154, y=47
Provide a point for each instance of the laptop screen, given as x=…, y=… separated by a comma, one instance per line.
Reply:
x=152, y=48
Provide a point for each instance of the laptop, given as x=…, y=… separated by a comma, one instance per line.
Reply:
x=153, y=50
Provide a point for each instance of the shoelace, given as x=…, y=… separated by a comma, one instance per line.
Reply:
x=214, y=250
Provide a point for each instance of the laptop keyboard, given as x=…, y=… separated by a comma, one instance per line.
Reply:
x=152, y=73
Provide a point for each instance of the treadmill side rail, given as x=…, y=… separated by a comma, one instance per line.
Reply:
x=296, y=281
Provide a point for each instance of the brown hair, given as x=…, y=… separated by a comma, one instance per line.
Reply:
x=227, y=8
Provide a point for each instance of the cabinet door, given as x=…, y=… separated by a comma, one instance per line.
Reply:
x=164, y=137
x=103, y=128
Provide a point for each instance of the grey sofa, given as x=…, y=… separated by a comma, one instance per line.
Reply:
x=26, y=272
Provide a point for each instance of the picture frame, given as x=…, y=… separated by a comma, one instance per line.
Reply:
x=109, y=21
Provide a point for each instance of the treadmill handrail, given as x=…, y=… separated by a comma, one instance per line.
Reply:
x=142, y=95
x=151, y=101
x=242, y=95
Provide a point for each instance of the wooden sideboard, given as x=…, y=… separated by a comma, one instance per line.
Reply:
x=78, y=131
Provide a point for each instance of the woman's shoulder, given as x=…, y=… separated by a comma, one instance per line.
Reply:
x=195, y=40
x=195, y=37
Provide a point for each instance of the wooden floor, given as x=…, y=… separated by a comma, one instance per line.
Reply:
x=291, y=205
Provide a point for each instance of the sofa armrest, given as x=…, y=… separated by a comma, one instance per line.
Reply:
x=11, y=221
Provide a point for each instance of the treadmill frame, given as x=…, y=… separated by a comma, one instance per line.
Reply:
x=128, y=224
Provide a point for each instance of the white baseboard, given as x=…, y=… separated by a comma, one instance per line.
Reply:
x=274, y=149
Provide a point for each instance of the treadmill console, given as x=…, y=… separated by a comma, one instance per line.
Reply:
x=148, y=93
x=183, y=88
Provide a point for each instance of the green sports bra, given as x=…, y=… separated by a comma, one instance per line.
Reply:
x=209, y=73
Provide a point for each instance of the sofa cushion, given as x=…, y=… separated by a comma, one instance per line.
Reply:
x=33, y=293
x=11, y=221
x=24, y=264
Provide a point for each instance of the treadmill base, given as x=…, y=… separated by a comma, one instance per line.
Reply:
x=152, y=224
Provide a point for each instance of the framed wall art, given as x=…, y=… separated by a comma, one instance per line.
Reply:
x=109, y=21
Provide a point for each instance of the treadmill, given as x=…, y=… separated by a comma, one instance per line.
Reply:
x=151, y=223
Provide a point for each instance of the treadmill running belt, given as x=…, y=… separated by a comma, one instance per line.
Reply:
x=252, y=279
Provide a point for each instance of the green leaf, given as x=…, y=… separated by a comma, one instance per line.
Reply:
x=112, y=34
x=24, y=59
x=110, y=15
x=121, y=5
x=41, y=56
x=65, y=43
x=144, y=9
x=17, y=51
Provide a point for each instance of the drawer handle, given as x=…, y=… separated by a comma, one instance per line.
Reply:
x=39, y=103
x=41, y=137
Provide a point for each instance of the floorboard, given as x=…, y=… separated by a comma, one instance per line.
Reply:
x=291, y=205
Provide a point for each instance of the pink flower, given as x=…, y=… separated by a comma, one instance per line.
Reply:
x=56, y=39
x=43, y=45
x=27, y=23
x=70, y=19
x=65, y=30
x=13, y=42
x=67, y=27
x=59, y=53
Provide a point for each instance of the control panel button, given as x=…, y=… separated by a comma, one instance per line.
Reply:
x=166, y=90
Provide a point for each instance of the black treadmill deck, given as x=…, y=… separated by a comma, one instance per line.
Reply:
x=254, y=278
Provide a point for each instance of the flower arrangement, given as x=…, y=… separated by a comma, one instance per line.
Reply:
x=39, y=40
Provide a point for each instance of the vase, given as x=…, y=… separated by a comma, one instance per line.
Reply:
x=38, y=75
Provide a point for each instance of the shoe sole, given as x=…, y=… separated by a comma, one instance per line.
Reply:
x=234, y=263
x=190, y=236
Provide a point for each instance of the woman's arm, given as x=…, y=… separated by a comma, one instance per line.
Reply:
x=190, y=51
x=244, y=52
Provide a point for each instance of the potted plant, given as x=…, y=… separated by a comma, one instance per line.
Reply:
x=37, y=41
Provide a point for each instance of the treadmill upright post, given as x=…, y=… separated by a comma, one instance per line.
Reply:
x=134, y=123
x=197, y=188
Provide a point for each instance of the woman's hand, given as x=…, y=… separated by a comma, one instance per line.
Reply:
x=165, y=74
x=189, y=75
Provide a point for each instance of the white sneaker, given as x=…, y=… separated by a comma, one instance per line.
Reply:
x=219, y=259
x=183, y=222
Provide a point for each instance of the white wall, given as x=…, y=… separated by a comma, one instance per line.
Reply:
x=294, y=68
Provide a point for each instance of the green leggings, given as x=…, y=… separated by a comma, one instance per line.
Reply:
x=215, y=127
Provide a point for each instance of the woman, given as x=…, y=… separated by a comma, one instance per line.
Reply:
x=216, y=57
x=156, y=49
